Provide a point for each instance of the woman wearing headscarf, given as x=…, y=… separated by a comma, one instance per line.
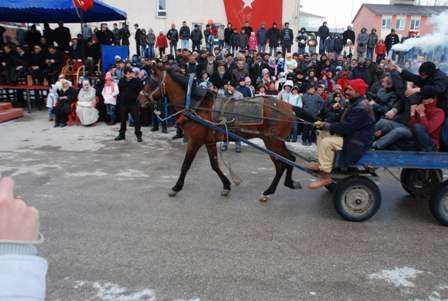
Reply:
x=66, y=96
x=110, y=93
x=85, y=109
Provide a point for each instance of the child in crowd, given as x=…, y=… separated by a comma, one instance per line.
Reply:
x=110, y=92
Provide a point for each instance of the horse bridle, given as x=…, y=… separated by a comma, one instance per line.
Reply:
x=160, y=87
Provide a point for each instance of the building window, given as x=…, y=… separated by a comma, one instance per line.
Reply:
x=161, y=8
x=400, y=23
x=385, y=24
x=415, y=23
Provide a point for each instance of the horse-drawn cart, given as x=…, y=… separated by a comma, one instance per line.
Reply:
x=356, y=196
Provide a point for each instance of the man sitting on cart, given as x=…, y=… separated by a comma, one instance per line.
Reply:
x=352, y=135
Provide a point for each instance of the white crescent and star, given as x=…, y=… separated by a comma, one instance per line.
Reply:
x=248, y=3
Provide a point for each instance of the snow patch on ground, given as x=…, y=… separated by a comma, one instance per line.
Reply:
x=38, y=169
x=399, y=277
x=435, y=296
x=132, y=173
x=96, y=173
x=109, y=291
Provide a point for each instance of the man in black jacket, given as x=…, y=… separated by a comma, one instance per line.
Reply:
x=391, y=40
x=353, y=135
x=323, y=33
x=221, y=77
x=129, y=87
x=196, y=38
x=105, y=36
x=173, y=36
x=247, y=29
x=228, y=35
x=184, y=35
x=62, y=36
x=273, y=37
x=287, y=38
x=349, y=34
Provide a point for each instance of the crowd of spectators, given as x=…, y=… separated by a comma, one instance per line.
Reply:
x=308, y=70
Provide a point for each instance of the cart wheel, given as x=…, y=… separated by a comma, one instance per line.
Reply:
x=438, y=204
x=420, y=182
x=331, y=187
x=357, y=198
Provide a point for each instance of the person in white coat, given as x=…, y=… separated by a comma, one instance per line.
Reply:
x=110, y=93
x=85, y=107
x=22, y=272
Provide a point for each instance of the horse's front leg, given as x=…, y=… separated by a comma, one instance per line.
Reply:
x=212, y=154
x=192, y=150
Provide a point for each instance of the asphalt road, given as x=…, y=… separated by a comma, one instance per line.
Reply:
x=112, y=233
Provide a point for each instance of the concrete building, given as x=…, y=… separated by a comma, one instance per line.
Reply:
x=404, y=18
x=160, y=14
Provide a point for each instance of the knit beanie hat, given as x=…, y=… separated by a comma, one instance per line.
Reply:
x=358, y=85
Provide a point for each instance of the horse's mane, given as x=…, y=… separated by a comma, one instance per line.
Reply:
x=197, y=92
x=178, y=77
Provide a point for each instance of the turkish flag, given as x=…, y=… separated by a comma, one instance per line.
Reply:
x=255, y=12
x=83, y=4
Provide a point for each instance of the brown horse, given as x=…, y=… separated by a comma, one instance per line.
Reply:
x=278, y=118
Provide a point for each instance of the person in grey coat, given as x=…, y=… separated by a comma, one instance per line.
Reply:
x=262, y=38
x=363, y=38
x=371, y=43
x=312, y=105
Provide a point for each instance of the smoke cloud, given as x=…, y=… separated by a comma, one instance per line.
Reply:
x=439, y=37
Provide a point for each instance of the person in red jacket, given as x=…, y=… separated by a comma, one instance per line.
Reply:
x=426, y=121
x=161, y=43
x=343, y=80
x=380, y=51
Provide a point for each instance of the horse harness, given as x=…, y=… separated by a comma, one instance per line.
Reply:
x=161, y=86
x=193, y=104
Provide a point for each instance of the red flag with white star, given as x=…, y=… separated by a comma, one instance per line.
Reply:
x=254, y=11
x=83, y=4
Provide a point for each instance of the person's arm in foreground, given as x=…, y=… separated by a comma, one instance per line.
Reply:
x=22, y=272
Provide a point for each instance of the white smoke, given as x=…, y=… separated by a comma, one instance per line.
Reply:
x=438, y=38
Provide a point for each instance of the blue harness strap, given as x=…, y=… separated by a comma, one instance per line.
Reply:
x=189, y=91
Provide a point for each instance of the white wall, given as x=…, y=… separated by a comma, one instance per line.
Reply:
x=143, y=12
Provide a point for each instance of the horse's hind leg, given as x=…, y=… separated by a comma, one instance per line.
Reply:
x=192, y=150
x=274, y=146
x=289, y=182
x=279, y=170
x=279, y=147
x=212, y=154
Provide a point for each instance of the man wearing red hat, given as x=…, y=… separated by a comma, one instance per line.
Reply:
x=352, y=135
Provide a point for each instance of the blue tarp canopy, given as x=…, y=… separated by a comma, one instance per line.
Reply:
x=54, y=11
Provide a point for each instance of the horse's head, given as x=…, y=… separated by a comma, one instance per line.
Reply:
x=154, y=89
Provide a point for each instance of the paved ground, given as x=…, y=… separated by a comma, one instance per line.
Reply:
x=113, y=234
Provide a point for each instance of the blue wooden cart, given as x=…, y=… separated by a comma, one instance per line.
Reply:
x=356, y=196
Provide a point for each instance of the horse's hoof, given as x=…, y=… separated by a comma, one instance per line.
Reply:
x=296, y=185
x=225, y=192
x=172, y=193
x=263, y=198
